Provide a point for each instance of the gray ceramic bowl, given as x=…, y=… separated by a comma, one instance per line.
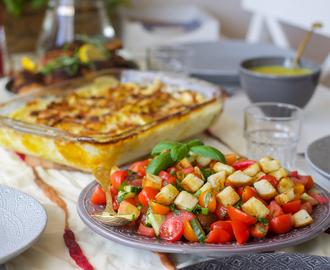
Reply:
x=260, y=87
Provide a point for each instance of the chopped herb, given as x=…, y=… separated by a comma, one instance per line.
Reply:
x=263, y=231
x=238, y=205
x=206, y=229
x=140, y=206
x=131, y=172
x=206, y=198
x=197, y=193
x=263, y=221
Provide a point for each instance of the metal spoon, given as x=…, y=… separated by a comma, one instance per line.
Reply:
x=108, y=216
x=303, y=44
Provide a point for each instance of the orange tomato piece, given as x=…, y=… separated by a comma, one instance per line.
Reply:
x=207, y=200
x=298, y=188
x=159, y=208
x=230, y=159
x=188, y=232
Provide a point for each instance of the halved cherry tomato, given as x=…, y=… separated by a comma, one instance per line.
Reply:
x=310, y=182
x=183, y=215
x=301, y=180
x=291, y=207
x=226, y=226
x=248, y=193
x=281, y=224
x=271, y=179
x=167, y=178
x=207, y=200
x=242, y=165
x=148, y=193
x=142, y=167
x=306, y=206
x=298, y=188
x=165, y=175
x=259, y=230
x=159, y=208
x=221, y=212
x=171, y=229
x=187, y=170
x=217, y=235
x=98, y=196
x=146, y=230
x=274, y=210
x=172, y=169
x=294, y=174
x=134, y=166
x=113, y=191
x=230, y=159
x=241, y=231
x=240, y=191
x=321, y=199
x=236, y=214
x=188, y=232
x=118, y=177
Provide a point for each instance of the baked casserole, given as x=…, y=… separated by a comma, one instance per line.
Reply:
x=110, y=117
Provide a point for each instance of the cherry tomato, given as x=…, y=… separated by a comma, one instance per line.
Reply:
x=301, y=180
x=294, y=174
x=188, y=232
x=240, y=191
x=281, y=224
x=242, y=165
x=113, y=191
x=241, y=231
x=142, y=167
x=134, y=166
x=159, y=208
x=167, y=178
x=172, y=169
x=171, y=229
x=259, y=230
x=98, y=196
x=118, y=177
x=291, y=207
x=217, y=235
x=321, y=199
x=226, y=226
x=146, y=230
x=207, y=200
x=274, y=210
x=187, y=170
x=230, y=159
x=148, y=193
x=248, y=193
x=306, y=206
x=206, y=220
x=221, y=212
x=236, y=214
x=310, y=182
x=183, y=215
x=271, y=179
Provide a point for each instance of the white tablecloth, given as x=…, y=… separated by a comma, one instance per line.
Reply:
x=49, y=252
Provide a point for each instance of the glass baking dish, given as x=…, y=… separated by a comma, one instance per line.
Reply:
x=87, y=152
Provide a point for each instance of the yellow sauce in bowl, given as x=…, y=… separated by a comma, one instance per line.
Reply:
x=282, y=71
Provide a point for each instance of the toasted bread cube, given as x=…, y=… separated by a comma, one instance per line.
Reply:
x=284, y=197
x=185, y=200
x=268, y=164
x=206, y=186
x=191, y=183
x=153, y=181
x=301, y=218
x=204, y=161
x=185, y=163
x=227, y=196
x=252, y=170
x=280, y=173
x=218, y=167
x=239, y=179
x=126, y=208
x=254, y=207
x=256, y=177
x=265, y=189
x=285, y=184
x=114, y=169
x=167, y=194
x=214, y=179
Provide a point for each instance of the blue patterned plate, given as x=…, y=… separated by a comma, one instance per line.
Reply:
x=22, y=221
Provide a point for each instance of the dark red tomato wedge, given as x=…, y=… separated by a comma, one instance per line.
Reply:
x=171, y=230
x=236, y=214
x=226, y=226
x=306, y=206
x=241, y=231
x=221, y=212
x=259, y=230
x=291, y=207
x=242, y=165
x=321, y=199
x=240, y=191
x=281, y=224
x=217, y=235
x=182, y=215
x=274, y=210
x=146, y=230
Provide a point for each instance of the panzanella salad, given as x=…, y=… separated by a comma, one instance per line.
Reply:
x=192, y=191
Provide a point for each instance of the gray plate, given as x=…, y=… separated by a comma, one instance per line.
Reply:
x=275, y=261
x=22, y=221
x=128, y=235
x=318, y=156
x=218, y=61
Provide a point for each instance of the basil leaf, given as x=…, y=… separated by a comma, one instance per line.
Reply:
x=208, y=151
x=163, y=146
x=195, y=143
x=206, y=198
x=159, y=164
x=178, y=152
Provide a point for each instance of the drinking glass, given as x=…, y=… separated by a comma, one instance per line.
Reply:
x=171, y=59
x=273, y=129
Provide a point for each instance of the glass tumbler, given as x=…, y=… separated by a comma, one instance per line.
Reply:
x=273, y=129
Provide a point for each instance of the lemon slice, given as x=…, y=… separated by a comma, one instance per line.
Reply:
x=89, y=53
x=28, y=64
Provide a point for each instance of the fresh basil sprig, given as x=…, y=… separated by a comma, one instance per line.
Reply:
x=195, y=143
x=163, y=146
x=160, y=163
x=178, y=152
x=208, y=151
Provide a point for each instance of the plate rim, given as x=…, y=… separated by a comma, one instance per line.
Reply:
x=201, y=249
x=310, y=161
x=20, y=249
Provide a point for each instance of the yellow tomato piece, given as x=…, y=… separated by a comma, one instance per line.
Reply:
x=28, y=64
x=188, y=232
x=298, y=188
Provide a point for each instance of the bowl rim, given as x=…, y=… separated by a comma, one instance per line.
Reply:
x=245, y=70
